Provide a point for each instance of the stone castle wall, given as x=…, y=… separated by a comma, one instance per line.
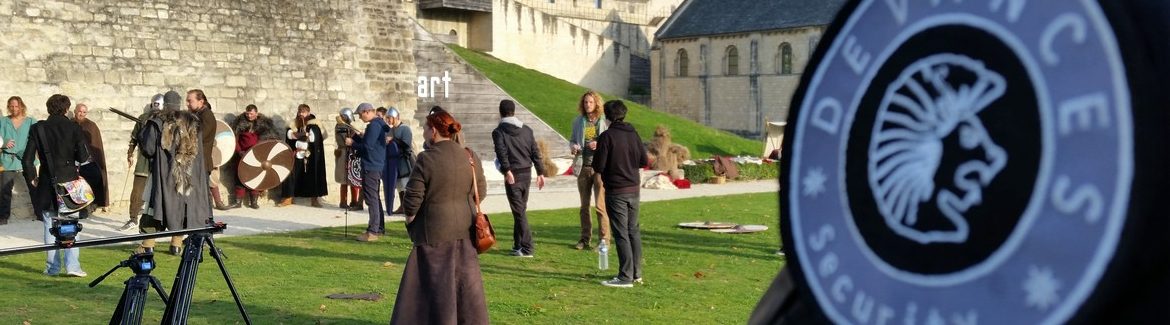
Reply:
x=275, y=54
x=707, y=94
x=550, y=44
x=629, y=22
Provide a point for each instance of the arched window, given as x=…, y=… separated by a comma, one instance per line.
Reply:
x=731, y=61
x=681, y=63
x=785, y=58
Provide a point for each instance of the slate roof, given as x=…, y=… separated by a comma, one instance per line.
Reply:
x=714, y=17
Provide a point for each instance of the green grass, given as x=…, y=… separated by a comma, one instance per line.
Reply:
x=692, y=276
x=555, y=101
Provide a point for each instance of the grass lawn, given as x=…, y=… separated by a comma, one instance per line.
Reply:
x=692, y=276
x=555, y=101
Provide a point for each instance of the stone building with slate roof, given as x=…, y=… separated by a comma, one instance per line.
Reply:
x=734, y=64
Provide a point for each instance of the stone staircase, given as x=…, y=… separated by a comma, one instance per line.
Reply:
x=474, y=101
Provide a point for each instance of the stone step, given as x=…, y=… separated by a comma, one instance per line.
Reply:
x=473, y=101
x=454, y=70
x=474, y=130
x=551, y=184
x=485, y=134
x=456, y=73
x=464, y=88
x=485, y=141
